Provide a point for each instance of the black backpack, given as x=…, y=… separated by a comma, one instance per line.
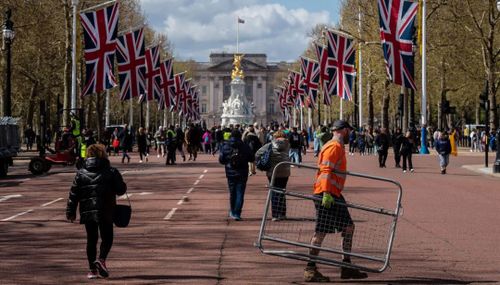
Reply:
x=264, y=162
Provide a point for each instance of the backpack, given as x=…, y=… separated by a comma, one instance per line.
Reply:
x=264, y=162
x=235, y=157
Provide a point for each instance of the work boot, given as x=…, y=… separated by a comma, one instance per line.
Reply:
x=350, y=273
x=311, y=274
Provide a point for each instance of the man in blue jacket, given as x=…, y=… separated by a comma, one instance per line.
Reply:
x=236, y=155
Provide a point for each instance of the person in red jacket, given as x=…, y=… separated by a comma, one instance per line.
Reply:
x=332, y=214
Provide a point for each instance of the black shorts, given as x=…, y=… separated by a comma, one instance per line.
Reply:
x=332, y=220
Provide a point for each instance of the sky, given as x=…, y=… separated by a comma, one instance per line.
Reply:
x=277, y=28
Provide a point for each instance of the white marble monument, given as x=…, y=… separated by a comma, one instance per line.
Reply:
x=236, y=109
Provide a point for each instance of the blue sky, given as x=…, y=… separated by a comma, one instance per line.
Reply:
x=278, y=28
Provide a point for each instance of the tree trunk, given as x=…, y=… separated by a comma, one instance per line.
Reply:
x=67, y=63
x=99, y=113
x=369, y=91
x=31, y=105
x=385, y=105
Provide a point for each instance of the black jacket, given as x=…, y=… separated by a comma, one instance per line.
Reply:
x=245, y=156
x=95, y=188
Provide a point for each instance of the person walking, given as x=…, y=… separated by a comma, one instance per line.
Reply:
x=252, y=141
x=397, y=140
x=192, y=142
x=382, y=142
x=207, y=141
x=406, y=150
x=142, y=145
x=125, y=143
x=332, y=214
x=296, y=142
x=279, y=153
x=443, y=148
x=235, y=156
x=179, y=134
x=94, y=190
x=170, y=144
x=160, y=142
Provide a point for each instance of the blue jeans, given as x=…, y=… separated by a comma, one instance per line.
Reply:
x=295, y=155
x=237, y=186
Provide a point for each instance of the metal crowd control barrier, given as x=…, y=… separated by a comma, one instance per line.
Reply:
x=290, y=236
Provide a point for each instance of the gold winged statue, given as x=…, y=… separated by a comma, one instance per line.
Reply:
x=237, y=71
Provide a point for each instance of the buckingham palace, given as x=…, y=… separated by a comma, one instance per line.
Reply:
x=261, y=78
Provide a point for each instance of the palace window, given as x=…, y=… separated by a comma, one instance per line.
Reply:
x=203, y=108
x=204, y=89
x=271, y=108
x=259, y=85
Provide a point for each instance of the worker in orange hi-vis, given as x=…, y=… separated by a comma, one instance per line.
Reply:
x=331, y=212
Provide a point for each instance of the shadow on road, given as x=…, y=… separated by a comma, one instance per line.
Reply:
x=168, y=277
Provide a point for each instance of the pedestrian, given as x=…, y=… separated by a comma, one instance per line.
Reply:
x=332, y=214
x=94, y=190
x=170, y=144
x=397, y=140
x=29, y=137
x=406, y=150
x=352, y=142
x=443, y=148
x=142, y=144
x=252, y=141
x=192, y=142
x=361, y=142
x=115, y=141
x=179, y=134
x=125, y=143
x=296, y=143
x=235, y=156
x=473, y=141
x=207, y=141
x=279, y=153
x=382, y=142
x=453, y=142
x=160, y=142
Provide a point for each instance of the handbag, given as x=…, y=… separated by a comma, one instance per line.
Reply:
x=122, y=214
x=264, y=162
x=116, y=143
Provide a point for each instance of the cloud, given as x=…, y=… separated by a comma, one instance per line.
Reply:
x=197, y=28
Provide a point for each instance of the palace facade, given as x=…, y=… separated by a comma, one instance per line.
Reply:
x=261, y=78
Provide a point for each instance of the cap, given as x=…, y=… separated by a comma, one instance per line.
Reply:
x=340, y=124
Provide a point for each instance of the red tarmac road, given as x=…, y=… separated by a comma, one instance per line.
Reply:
x=180, y=234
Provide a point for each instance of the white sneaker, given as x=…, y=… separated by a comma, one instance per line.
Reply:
x=411, y=170
x=140, y=161
x=404, y=171
x=158, y=156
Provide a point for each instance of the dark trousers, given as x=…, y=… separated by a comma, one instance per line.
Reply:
x=142, y=153
x=278, y=200
x=170, y=156
x=397, y=157
x=93, y=229
x=407, y=157
x=382, y=157
x=237, y=186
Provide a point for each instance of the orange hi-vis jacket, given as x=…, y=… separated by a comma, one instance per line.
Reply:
x=331, y=157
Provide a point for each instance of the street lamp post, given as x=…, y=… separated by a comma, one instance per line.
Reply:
x=8, y=35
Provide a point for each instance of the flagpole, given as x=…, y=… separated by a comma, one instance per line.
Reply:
x=301, y=117
x=131, y=114
x=423, y=111
x=147, y=116
x=237, y=35
x=107, y=108
x=360, y=82
x=98, y=6
x=73, y=58
x=341, y=109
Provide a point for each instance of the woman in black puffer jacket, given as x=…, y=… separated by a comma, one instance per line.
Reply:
x=95, y=188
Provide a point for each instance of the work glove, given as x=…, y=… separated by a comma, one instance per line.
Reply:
x=328, y=200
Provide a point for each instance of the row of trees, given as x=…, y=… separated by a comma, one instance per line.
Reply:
x=463, y=50
x=41, y=61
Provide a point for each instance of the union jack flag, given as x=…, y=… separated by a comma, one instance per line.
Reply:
x=280, y=93
x=397, y=19
x=341, y=59
x=185, y=98
x=167, y=84
x=99, y=31
x=196, y=106
x=287, y=92
x=153, y=74
x=296, y=88
x=179, y=89
x=309, y=71
x=131, y=64
x=325, y=73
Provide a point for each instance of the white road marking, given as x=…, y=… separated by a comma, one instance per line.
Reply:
x=17, y=215
x=170, y=214
x=181, y=201
x=145, y=193
x=190, y=190
x=196, y=182
x=205, y=171
x=52, y=202
x=5, y=198
x=201, y=176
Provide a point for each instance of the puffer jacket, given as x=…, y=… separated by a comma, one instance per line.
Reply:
x=245, y=156
x=280, y=153
x=95, y=188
